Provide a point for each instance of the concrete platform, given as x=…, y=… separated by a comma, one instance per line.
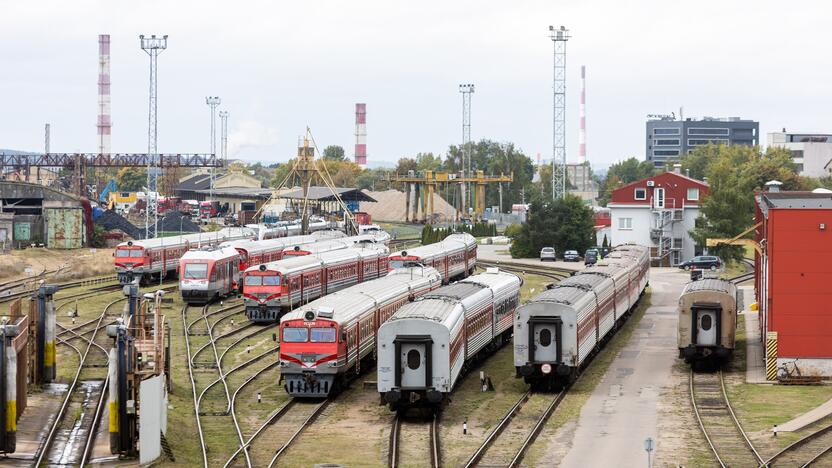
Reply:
x=755, y=370
x=807, y=418
x=623, y=409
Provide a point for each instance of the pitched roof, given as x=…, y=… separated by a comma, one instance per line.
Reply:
x=325, y=194
x=671, y=173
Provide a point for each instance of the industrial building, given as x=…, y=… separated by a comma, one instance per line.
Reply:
x=794, y=233
x=31, y=214
x=658, y=212
x=668, y=139
x=233, y=188
x=581, y=182
x=811, y=152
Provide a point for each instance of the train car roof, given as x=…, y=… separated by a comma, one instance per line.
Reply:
x=494, y=279
x=710, y=284
x=172, y=241
x=583, y=281
x=348, y=304
x=453, y=241
x=560, y=294
x=210, y=253
x=295, y=263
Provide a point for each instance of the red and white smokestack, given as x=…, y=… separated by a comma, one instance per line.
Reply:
x=361, y=134
x=104, y=122
x=582, y=134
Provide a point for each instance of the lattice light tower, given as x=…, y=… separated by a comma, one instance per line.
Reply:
x=153, y=46
x=224, y=136
x=213, y=102
x=559, y=37
x=467, y=90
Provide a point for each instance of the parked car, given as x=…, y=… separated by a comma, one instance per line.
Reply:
x=702, y=262
x=571, y=256
x=591, y=257
x=547, y=253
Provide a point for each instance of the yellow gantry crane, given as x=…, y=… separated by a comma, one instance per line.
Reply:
x=737, y=240
x=428, y=184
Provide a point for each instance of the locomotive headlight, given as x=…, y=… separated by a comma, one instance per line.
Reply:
x=309, y=316
x=546, y=368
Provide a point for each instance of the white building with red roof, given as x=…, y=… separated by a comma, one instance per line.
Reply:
x=658, y=212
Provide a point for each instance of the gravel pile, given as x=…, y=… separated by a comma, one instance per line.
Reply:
x=175, y=221
x=111, y=220
x=390, y=206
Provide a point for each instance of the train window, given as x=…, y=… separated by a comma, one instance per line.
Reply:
x=295, y=335
x=323, y=335
x=196, y=270
x=253, y=280
x=705, y=323
x=123, y=253
x=136, y=253
x=414, y=360
x=545, y=337
x=394, y=264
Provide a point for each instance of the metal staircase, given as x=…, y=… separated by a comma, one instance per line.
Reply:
x=665, y=217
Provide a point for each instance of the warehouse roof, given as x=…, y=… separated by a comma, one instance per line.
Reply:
x=817, y=200
x=238, y=192
x=325, y=194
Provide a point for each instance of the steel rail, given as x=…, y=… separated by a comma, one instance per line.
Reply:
x=498, y=429
x=193, y=388
x=309, y=420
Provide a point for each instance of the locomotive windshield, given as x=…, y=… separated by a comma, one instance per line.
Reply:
x=394, y=264
x=257, y=280
x=124, y=253
x=295, y=335
x=196, y=271
x=323, y=335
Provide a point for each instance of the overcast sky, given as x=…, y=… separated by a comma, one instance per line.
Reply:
x=280, y=66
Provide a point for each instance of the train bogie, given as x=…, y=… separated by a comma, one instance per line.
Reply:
x=707, y=322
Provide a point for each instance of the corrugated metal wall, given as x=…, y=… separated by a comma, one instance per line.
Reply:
x=65, y=228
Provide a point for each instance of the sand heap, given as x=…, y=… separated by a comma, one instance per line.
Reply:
x=390, y=206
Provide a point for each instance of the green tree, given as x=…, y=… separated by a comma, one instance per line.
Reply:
x=334, y=153
x=406, y=164
x=565, y=224
x=131, y=179
x=734, y=174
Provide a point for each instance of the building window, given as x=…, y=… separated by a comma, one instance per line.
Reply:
x=797, y=154
x=666, y=131
x=693, y=193
x=708, y=131
x=674, y=152
x=666, y=142
x=798, y=167
x=625, y=224
x=702, y=141
x=641, y=194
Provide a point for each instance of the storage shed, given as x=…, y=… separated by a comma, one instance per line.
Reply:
x=794, y=274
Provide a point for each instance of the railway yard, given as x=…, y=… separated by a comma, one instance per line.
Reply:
x=227, y=408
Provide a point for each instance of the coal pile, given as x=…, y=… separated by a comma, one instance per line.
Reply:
x=175, y=221
x=111, y=220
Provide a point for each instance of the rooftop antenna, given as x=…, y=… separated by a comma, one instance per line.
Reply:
x=559, y=37
x=153, y=46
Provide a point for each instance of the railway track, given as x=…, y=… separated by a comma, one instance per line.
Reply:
x=72, y=433
x=814, y=449
x=6, y=293
x=718, y=422
x=503, y=452
x=424, y=429
x=553, y=273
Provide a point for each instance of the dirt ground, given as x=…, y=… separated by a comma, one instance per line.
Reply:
x=77, y=263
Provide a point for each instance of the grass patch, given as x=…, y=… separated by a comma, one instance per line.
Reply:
x=401, y=230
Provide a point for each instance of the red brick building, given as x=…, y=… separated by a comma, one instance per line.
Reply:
x=794, y=278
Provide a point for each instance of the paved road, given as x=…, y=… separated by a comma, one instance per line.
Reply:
x=493, y=253
x=621, y=412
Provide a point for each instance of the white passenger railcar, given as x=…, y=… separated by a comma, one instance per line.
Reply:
x=425, y=346
x=208, y=273
x=557, y=331
x=455, y=256
x=707, y=322
x=330, y=340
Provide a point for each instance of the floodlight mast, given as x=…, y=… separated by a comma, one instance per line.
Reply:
x=559, y=36
x=153, y=46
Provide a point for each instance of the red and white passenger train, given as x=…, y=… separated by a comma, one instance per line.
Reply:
x=455, y=256
x=275, y=286
x=329, y=245
x=208, y=273
x=326, y=342
x=144, y=259
x=255, y=252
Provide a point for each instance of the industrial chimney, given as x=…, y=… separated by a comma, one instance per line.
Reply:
x=361, y=134
x=104, y=122
x=582, y=134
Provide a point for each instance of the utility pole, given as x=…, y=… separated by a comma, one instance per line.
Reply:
x=467, y=90
x=224, y=136
x=213, y=102
x=559, y=37
x=153, y=46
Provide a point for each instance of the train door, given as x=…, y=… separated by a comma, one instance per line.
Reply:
x=706, y=326
x=414, y=362
x=545, y=339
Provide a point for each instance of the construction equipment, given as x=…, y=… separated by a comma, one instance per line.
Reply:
x=737, y=240
x=103, y=197
x=426, y=185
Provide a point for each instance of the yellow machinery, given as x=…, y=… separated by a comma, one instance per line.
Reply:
x=432, y=181
x=737, y=240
